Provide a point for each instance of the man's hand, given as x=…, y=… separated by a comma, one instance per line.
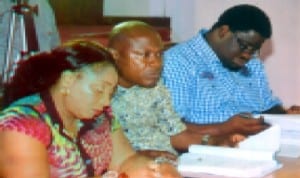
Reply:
x=227, y=140
x=293, y=110
x=245, y=124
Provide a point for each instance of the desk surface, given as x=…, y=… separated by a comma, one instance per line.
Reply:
x=290, y=169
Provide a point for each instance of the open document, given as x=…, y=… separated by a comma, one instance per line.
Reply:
x=253, y=158
x=290, y=133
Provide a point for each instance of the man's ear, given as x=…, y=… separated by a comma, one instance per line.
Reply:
x=115, y=54
x=223, y=31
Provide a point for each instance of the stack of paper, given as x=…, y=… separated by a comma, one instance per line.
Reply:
x=255, y=157
x=290, y=133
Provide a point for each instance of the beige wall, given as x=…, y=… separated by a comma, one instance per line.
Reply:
x=281, y=53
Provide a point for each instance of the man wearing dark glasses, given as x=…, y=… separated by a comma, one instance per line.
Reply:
x=216, y=78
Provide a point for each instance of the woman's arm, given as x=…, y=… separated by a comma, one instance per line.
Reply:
x=125, y=160
x=121, y=149
x=22, y=156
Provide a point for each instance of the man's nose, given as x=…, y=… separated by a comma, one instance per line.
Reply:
x=251, y=52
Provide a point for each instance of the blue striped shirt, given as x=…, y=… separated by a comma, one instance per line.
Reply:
x=203, y=91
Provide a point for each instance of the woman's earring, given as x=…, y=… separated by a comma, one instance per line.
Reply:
x=65, y=91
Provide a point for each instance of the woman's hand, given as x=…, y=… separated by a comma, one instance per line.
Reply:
x=139, y=166
x=167, y=170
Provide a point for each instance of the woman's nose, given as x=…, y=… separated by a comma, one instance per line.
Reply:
x=106, y=100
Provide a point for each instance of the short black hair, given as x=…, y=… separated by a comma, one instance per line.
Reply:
x=245, y=17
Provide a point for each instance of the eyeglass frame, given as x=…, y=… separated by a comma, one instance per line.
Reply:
x=243, y=47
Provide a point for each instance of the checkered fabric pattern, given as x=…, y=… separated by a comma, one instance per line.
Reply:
x=203, y=91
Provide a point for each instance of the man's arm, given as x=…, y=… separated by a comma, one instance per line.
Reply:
x=293, y=110
x=236, y=124
x=278, y=109
x=183, y=140
x=228, y=133
x=125, y=160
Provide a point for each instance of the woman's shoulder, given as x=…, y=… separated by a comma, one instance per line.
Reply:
x=25, y=118
x=27, y=125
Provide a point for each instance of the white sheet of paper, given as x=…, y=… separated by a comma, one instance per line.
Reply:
x=267, y=140
x=254, y=157
x=290, y=133
x=195, y=164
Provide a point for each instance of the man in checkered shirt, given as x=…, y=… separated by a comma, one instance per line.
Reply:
x=216, y=78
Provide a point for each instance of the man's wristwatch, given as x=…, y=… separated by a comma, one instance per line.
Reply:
x=205, y=138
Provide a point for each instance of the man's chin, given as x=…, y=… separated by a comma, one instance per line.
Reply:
x=233, y=68
x=149, y=84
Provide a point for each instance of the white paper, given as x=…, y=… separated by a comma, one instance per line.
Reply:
x=290, y=133
x=232, y=153
x=254, y=157
x=292, y=151
x=267, y=140
x=195, y=164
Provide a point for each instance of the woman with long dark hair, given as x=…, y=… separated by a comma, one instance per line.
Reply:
x=57, y=120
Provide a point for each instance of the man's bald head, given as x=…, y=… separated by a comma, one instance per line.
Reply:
x=130, y=29
x=136, y=48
